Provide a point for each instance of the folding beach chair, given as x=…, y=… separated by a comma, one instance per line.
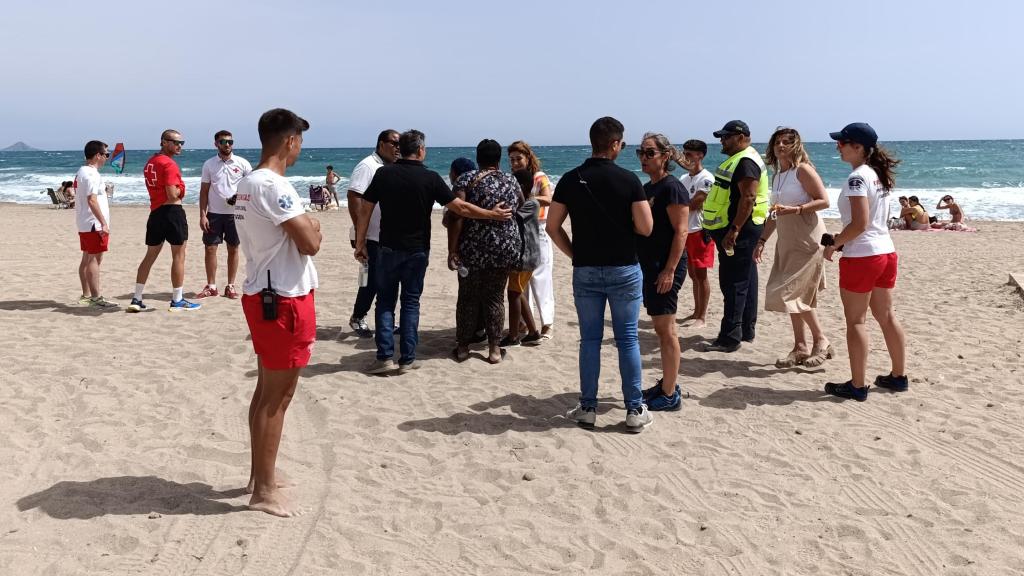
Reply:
x=318, y=197
x=58, y=198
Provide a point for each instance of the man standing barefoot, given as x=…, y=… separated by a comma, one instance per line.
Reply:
x=278, y=240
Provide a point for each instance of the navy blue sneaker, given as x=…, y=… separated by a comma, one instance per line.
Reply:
x=847, y=390
x=655, y=391
x=894, y=383
x=663, y=403
x=136, y=306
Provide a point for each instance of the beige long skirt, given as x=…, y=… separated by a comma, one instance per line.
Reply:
x=798, y=271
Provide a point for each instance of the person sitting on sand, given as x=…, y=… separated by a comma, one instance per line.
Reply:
x=906, y=214
x=956, y=214
x=68, y=190
x=920, y=219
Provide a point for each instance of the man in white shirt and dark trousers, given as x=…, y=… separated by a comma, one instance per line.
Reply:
x=385, y=153
x=92, y=216
x=221, y=175
x=279, y=240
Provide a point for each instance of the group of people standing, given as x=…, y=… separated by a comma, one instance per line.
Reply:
x=630, y=244
x=628, y=247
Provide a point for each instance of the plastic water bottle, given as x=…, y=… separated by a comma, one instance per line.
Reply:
x=364, y=275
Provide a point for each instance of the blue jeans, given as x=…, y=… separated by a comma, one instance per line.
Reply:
x=406, y=270
x=365, y=295
x=621, y=287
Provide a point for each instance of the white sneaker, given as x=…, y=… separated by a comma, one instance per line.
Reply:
x=638, y=418
x=584, y=417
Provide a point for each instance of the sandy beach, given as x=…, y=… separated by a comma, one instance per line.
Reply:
x=124, y=442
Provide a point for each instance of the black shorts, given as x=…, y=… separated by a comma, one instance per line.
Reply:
x=667, y=303
x=167, y=224
x=222, y=229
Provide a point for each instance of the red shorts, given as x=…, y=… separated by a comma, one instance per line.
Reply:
x=699, y=254
x=868, y=272
x=287, y=342
x=93, y=242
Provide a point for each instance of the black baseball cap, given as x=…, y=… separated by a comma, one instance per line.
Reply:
x=860, y=132
x=733, y=127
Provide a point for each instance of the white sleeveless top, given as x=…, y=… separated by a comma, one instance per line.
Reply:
x=787, y=189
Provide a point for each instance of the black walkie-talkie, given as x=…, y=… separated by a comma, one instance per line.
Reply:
x=269, y=298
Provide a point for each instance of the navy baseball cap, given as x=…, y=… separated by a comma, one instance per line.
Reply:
x=860, y=132
x=733, y=127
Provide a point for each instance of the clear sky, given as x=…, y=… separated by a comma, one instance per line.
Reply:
x=537, y=70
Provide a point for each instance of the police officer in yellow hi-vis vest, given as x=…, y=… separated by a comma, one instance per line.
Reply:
x=734, y=214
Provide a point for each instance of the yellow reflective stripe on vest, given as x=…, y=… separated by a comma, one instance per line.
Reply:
x=716, y=205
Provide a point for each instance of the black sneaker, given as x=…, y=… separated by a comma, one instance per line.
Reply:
x=894, y=383
x=847, y=390
x=531, y=339
x=716, y=346
x=509, y=342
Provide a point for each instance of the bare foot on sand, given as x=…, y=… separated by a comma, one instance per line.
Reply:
x=273, y=503
x=282, y=481
x=698, y=323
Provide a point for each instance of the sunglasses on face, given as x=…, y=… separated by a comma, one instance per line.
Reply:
x=646, y=152
x=845, y=142
x=105, y=154
x=224, y=142
x=177, y=142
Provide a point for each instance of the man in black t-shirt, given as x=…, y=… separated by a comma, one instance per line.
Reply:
x=607, y=207
x=737, y=271
x=406, y=192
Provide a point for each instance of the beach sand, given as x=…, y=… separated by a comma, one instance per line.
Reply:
x=124, y=443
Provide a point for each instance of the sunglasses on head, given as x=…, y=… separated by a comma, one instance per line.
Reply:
x=224, y=142
x=648, y=152
x=172, y=141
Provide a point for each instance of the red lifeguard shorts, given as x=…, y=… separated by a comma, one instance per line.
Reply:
x=286, y=342
x=868, y=272
x=699, y=254
x=93, y=242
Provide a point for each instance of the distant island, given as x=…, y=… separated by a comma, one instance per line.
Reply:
x=20, y=147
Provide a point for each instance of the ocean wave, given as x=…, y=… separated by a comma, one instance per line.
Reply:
x=954, y=168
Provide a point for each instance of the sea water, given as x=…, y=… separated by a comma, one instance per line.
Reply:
x=986, y=177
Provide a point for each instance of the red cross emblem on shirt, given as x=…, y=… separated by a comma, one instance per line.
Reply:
x=150, y=173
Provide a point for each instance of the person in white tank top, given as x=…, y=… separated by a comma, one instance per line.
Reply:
x=867, y=270
x=797, y=269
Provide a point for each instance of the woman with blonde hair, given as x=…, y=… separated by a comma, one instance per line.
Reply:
x=540, y=290
x=798, y=269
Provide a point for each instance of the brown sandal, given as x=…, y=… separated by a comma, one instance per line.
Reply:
x=792, y=359
x=818, y=358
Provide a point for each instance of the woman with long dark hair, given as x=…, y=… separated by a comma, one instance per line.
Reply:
x=867, y=270
x=541, y=291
